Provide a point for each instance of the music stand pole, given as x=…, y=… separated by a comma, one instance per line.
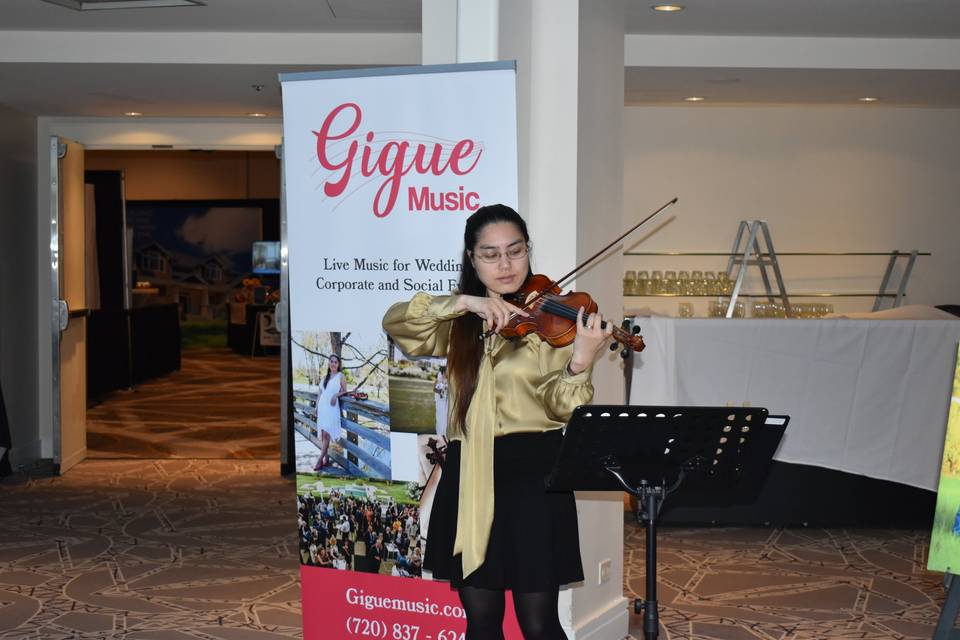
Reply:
x=649, y=501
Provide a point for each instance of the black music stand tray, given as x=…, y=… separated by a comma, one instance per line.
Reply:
x=650, y=451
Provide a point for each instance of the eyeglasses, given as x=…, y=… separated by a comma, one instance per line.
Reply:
x=513, y=253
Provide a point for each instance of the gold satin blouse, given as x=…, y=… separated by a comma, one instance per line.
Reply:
x=523, y=386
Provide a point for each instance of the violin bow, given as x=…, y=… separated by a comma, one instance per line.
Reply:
x=560, y=281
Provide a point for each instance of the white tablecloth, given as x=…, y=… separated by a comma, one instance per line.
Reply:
x=868, y=397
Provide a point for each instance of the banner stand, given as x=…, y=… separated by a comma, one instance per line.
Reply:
x=381, y=169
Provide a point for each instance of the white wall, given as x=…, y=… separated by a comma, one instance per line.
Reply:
x=18, y=293
x=825, y=178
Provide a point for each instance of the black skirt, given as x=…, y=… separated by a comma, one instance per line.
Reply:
x=534, y=545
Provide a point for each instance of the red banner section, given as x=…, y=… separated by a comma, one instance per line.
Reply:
x=350, y=605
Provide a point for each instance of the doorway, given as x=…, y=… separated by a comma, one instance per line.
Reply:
x=181, y=341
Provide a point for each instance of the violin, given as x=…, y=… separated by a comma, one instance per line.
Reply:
x=553, y=315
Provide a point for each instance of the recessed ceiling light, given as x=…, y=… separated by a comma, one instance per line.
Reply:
x=667, y=8
x=695, y=99
x=100, y=5
x=257, y=115
x=868, y=99
x=132, y=114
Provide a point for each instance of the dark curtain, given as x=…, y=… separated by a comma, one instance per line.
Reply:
x=108, y=195
x=5, y=442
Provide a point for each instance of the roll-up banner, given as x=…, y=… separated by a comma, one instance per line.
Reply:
x=382, y=168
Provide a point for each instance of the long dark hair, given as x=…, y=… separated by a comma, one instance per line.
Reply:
x=326, y=378
x=465, y=347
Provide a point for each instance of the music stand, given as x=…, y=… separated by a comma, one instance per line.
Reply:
x=650, y=451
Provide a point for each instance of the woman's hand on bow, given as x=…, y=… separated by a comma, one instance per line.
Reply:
x=495, y=311
x=589, y=342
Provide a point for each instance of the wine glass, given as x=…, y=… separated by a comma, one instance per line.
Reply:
x=656, y=282
x=643, y=283
x=629, y=283
x=683, y=283
x=711, y=282
x=696, y=283
x=670, y=282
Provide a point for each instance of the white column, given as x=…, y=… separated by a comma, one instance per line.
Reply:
x=569, y=57
x=459, y=31
x=570, y=111
x=438, y=26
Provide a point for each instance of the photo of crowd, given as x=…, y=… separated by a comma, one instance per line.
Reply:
x=359, y=528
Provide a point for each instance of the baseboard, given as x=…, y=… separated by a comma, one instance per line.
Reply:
x=613, y=623
x=26, y=454
x=67, y=463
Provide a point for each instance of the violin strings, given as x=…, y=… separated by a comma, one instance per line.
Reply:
x=562, y=310
x=559, y=309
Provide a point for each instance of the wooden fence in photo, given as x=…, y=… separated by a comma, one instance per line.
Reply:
x=351, y=410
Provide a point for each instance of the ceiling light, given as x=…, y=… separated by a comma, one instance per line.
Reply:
x=695, y=99
x=100, y=5
x=133, y=114
x=868, y=99
x=667, y=8
x=257, y=115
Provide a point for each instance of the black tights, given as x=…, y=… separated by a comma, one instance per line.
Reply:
x=536, y=612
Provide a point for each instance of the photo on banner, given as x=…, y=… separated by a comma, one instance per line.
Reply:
x=197, y=256
x=945, y=537
x=382, y=167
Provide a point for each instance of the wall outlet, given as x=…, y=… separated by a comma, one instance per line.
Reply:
x=603, y=574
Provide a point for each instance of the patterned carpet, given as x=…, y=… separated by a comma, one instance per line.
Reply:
x=155, y=550
x=802, y=584
x=219, y=405
x=207, y=550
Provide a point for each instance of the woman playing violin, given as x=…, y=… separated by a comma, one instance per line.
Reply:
x=493, y=526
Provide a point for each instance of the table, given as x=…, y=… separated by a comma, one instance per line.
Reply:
x=152, y=350
x=866, y=397
x=244, y=338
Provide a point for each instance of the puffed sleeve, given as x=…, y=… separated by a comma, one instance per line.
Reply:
x=560, y=391
x=421, y=327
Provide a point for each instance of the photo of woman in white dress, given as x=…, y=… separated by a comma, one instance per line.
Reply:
x=440, y=396
x=328, y=408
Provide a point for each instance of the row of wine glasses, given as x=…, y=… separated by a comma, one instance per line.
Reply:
x=718, y=309
x=797, y=310
x=683, y=283
x=810, y=309
x=760, y=309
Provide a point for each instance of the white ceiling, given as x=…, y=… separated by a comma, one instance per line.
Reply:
x=400, y=16
x=164, y=90
x=861, y=18
x=826, y=18
x=224, y=90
